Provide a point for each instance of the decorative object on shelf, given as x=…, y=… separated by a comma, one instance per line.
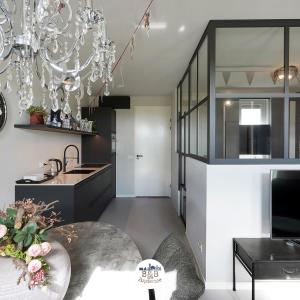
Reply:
x=278, y=74
x=23, y=234
x=55, y=118
x=37, y=114
x=49, y=43
x=86, y=125
x=66, y=121
x=3, y=111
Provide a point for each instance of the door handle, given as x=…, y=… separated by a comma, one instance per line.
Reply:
x=138, y=156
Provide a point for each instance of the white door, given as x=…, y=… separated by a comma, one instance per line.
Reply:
x=152, y=143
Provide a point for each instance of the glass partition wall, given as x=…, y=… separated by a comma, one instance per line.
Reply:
x=239, y=99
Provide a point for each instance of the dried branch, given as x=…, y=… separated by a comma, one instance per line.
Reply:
x=21, y=265
x=19, y=217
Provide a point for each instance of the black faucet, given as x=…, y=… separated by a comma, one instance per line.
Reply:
x=65, y=158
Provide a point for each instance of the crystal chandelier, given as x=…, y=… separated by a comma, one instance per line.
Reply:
x=48, y=42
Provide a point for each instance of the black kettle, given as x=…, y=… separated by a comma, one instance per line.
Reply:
x=55, y=166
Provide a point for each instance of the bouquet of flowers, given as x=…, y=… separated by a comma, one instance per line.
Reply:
x=23, y=234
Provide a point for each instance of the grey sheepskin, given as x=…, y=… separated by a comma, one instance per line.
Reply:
x=173, y=255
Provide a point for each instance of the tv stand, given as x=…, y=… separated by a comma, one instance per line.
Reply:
x=266, y=259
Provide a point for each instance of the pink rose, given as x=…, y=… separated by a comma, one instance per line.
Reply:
x=34, y=250
x=34, y=266
x=3, y=231
x=46, y=248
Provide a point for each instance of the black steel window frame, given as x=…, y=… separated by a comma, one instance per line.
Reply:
x=210, y=33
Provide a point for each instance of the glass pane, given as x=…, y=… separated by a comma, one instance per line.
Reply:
x=185, y=94
x=294, y=60
x=202, y=129
x=178, y=102
x=194, y=83
x=294, y=135
x=249, y=128
x=202, y=71
x=193, y=132
x=186, y=119
x=249, y=60
x=182, y=136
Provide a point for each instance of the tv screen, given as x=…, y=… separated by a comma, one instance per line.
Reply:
x=285, y=202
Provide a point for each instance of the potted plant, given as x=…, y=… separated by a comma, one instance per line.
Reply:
x=37, y=114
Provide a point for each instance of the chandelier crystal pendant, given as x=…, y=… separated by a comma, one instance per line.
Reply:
x=59, y=43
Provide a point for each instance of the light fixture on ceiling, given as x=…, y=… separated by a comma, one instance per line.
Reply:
x=157, y=25
x=278, y=74
x=228, y=102
x=181, y=28
x=49, y=42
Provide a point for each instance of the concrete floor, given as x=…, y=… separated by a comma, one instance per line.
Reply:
x=147, y=220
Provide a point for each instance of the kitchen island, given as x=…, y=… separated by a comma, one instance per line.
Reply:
x=83, y=193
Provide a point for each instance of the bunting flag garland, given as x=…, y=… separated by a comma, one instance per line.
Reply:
x=147, y=22
x=144, y=19
x=132, y=46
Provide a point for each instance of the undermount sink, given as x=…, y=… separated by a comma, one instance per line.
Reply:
x=93, y=165
x=80, y=172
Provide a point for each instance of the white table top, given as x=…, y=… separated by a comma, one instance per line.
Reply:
x=60, y=273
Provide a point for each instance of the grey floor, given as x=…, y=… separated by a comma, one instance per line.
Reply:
x=147, y=220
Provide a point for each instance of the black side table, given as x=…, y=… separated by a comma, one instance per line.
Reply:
x=266, y=259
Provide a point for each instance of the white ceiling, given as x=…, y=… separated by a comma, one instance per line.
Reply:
x=160, y=60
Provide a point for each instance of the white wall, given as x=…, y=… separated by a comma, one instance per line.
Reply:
x=125, y=153
x=196, y=186
x=226, y=201
x=237, y=206
x=22, y=150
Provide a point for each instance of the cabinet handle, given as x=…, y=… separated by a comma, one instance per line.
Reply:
x=290, y=271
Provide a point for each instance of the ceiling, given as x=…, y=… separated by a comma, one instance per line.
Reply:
x=160, y=60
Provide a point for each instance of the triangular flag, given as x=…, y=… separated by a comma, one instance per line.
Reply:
x=226, y=76
x=250, y=76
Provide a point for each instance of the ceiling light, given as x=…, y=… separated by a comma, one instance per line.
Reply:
x=227, y=102
x=279, y=73
x=48, y=44
x=181, y=28
x=158, y=25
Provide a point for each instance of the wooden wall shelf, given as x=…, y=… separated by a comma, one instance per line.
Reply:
x=53, y=129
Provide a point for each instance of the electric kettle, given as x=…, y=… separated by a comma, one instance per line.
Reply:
x=55, y=166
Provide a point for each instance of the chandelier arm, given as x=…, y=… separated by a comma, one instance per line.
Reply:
x=44, y=53
x=10, y=12
x=39, y=76
x=5, y=68
x=72, y=72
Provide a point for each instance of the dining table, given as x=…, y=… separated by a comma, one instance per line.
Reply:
x=103, y=262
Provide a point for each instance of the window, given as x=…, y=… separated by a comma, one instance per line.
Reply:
x=249, y=128
x=294, y=128
x=202, y=71
x=248, y=60
x=202, y=129
x=185, y=94
x=178, y=103
x=194, y=96
x=193, y=131
x=294, y=61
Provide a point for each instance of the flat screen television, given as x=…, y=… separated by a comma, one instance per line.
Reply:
x=285, y=204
